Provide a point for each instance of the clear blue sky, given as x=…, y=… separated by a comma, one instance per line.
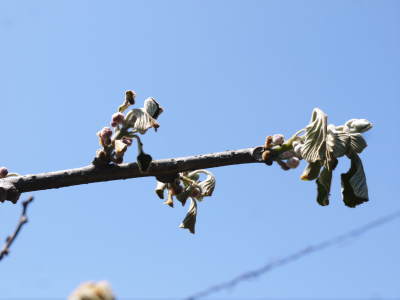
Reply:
x=228, y=73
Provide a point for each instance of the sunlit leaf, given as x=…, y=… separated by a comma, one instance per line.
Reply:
x=207, y=186
x=152, y=107
x=358, y=125
x=139, y=120
x=314, y=148
x=120, y=148
x=190, y=220
x=161, y=186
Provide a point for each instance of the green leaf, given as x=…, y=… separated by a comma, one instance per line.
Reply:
x=314, y=148
x=311, y=172
x=152, y=107
x=358, y=125
x=324, y=186
x=161, y=186
x=357, y=142
x=354, y=183
x=139, y=120
x=182, y=197
x=190, y=220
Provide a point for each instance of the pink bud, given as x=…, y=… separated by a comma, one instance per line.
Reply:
x=127, y=141
x=297, y=149
x=3, y=172
x=287, y=155
x=278, y=139
x=113, y=124
x=105, y=136
x=106, y=132
x=293, y=162
x=117, y=118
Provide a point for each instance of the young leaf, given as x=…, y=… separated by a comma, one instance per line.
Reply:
x=314, y=148
x=324, y=186
x=354, y=183
x=139, y=120
x=190, y=220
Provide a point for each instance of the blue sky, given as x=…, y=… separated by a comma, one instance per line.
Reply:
x=228, y=73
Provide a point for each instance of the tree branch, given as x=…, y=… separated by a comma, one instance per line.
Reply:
x=12, y=187
x=22, y=221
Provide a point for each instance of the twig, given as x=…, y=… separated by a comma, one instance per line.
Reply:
x=295, y=256
x=11, y=187
x=22, y=221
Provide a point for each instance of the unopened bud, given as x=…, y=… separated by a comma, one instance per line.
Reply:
x=3, y=172
x=268, y=142
x=278, y=139
x=130, y=97
x=105, y=136
x=105, y=132
x=127, y=141
x=117, y=118
x=293, y=162
x=287, y=155
x=266, y=155
x=144, y=160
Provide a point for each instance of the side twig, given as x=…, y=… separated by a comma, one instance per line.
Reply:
x=22, y=221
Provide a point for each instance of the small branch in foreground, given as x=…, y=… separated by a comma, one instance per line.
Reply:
x=22, y=221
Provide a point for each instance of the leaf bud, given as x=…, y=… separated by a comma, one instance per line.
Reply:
x=278, y=139
x=293, y=162
x=3, y=172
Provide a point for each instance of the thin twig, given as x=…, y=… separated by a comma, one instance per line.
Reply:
x=11, y=187
x=295, y=256
x=22, y=221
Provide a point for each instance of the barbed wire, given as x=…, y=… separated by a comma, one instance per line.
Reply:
x=294, y=256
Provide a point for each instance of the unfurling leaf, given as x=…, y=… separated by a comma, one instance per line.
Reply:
x=311, y=172
x=152, y=107
x=144, y=160
x=139, y=120
x=314, y=148
x=120, y=148
x=357, y=142
x=337, y=141
x=341, y=141
x=358, y=125
x=170, y=199
x=160, y=189
x=182, y=197
x=354, y=183
x=190, y=220
x=207, y=186
x=324, y=186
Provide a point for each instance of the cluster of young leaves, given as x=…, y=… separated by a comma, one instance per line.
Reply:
x=116, y=139
x=184, y=186
x=321, y=145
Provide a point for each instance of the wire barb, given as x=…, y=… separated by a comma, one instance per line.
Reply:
x=295, y=256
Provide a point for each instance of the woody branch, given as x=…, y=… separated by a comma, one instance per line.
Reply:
x=11, y=187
